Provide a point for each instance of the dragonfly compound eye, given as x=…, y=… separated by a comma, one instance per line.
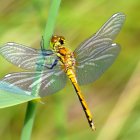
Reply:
x=62, y=41
x=54, y=39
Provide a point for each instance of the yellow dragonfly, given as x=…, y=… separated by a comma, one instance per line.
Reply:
x=50, y=67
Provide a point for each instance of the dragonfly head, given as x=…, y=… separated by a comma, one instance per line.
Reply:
x=57, y=42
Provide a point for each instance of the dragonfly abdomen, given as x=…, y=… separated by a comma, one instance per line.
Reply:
x=70, y=73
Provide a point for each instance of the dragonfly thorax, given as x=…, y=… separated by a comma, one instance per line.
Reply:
x=65, y=55
x=67, y=58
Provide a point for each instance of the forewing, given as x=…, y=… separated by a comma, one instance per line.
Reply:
x=49, y=81
x=112, y=27
x=93, y=66
x=25, y=57
x=103, y=37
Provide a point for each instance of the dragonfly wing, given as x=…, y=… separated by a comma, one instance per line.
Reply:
x=93, y=67
x=50, y=81
x=26, y=57
x=97, y=53
x=104, y=36
x=112, y=27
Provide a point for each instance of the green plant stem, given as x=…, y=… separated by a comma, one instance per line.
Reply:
x=51, y=22
x=31, y=107
x=29, y=120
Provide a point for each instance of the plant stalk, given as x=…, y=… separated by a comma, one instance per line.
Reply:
x=31, y=107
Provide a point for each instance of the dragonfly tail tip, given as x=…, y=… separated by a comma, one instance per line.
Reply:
x=93, y=127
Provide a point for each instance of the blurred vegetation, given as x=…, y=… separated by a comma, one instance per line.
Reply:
x=114, y=99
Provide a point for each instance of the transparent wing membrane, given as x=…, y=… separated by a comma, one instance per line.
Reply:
x=92, y=68
x=105, y=35
x=26, y=57
x=97, y=53
x=50, y=81
x=112, y=27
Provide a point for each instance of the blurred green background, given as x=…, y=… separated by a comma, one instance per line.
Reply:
x=113, y=99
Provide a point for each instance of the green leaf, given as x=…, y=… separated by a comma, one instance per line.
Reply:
x=10, y=96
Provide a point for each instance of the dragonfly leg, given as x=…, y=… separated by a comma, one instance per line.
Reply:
x=42, y=44
x=54, y=63
x=48, y=66
x=47, y=52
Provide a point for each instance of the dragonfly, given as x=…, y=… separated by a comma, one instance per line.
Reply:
x=51, y=68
